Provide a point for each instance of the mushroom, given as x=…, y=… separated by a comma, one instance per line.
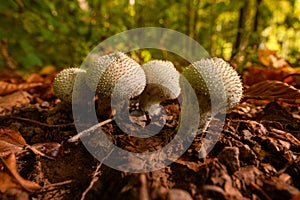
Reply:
x=210, y=78
x=162, y=84
x=117, y=77
x=63, y=83
x=116, y=71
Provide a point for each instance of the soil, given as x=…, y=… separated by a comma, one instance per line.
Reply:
x=256, y=156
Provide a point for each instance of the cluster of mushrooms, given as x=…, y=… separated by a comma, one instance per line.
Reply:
x=153, y=82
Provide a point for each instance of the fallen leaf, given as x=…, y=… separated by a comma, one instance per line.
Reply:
x=258, y=74
x=6, y=182
x=292, y=79
x=296, y=197
x=11, y=141
x=8, y=88
x=34, y=78
x=14, y=178
x=17, y=99
x=273, y=91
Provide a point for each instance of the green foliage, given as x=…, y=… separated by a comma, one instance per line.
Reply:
x=62, y=33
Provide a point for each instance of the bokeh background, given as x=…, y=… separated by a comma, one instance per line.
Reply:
x=37, y=33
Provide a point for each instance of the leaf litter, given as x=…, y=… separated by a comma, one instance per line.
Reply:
x=255, y=157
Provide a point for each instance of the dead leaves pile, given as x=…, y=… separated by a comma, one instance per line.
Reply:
x=16, y=92
x=11, y=143
x=11, y=179
x=273, y=91
x=8, y=88
x=272, y=67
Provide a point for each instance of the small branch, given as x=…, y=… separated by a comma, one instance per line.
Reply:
x=37, y=152
x=50, y=187
x=260, y=190
x=37, y=122
x=95, y=176
x=6, y=57
x=144, y=195
x=89, y=130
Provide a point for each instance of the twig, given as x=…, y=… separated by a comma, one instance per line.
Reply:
x=89, y=130
x=261, y=191
x=37, y=152
x=58, y=184
x=51, y=187
x=6, y=57
x=37, y=122
x=95, y=176
x=143, y=189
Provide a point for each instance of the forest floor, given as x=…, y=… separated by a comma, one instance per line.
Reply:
x=256, y=156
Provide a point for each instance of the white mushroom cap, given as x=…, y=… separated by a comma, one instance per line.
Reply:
x=64, y=83
x=212, y=77
x=232, y=82
x=162, y=84
x=116, y=71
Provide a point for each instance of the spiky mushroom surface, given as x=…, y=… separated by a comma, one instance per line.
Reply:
x=213, y=79
x=116, y=71
x=162, y=84
x=63, y=83
x=232, y=83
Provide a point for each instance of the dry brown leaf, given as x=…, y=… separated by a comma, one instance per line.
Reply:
x=11, y=136
x=34, y=78
x=14, y=180
x=258, y=74
x=6, y=182
x=292, y=79
x=8, y=88
x=11, y=141
x=273, y=90
x=296, y=197
x=17, y=99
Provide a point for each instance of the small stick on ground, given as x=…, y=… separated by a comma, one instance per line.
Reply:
x=144, y=188
x=51, y=187
x=95, y=176
x=88, y=131
x=37, y=122
x=37, y=152
x=261, y=191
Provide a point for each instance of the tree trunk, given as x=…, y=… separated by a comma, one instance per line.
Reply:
x=241, y=28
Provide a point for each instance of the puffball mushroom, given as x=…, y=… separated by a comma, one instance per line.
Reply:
x=116, y=71
x=116, y=76
x=162, y=84
x=63, y=83
x=210, y=78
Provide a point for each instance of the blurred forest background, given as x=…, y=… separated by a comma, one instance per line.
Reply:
x=36, y=33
